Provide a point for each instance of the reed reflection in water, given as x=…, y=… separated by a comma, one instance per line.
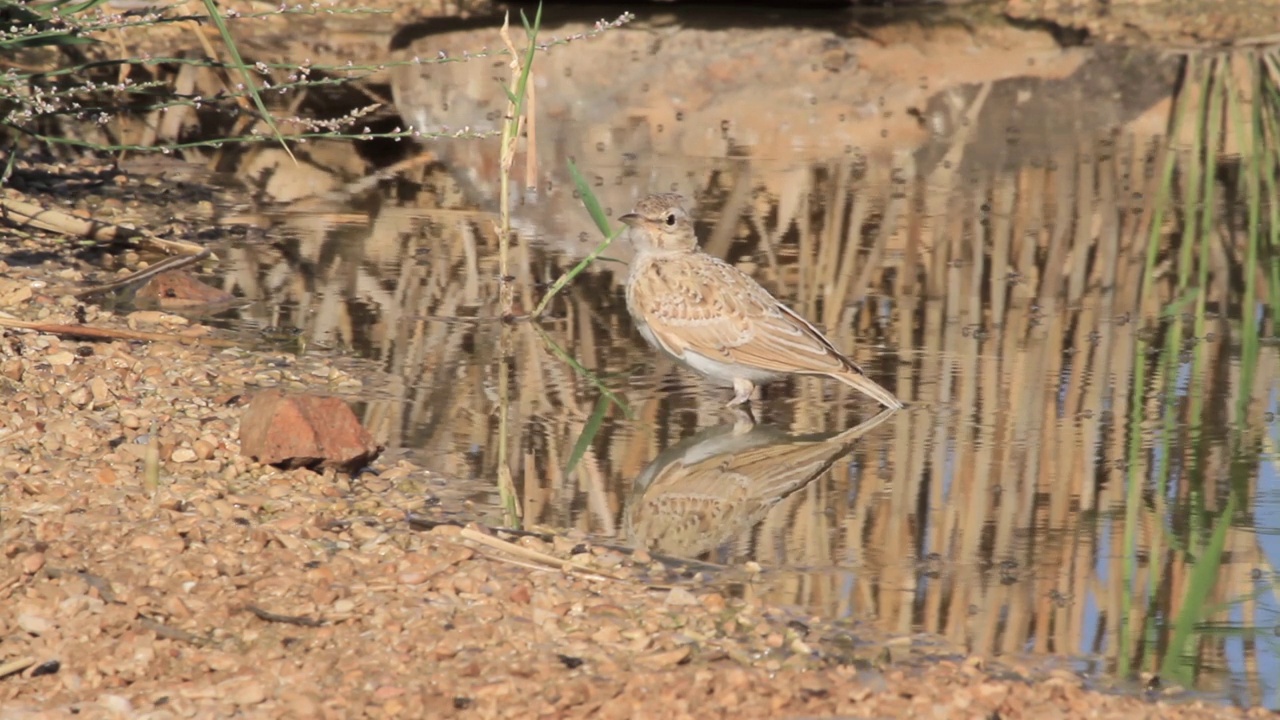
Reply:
x=1053, y=437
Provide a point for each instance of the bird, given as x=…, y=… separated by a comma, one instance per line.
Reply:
x=717, y=320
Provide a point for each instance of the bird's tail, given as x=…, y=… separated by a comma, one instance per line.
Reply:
x=865, y=385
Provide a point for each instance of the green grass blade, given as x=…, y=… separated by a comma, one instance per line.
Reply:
x=589, y=432
x=1163, y=202
x=250, y=85
x=570, y=274
x=1203, y=580
x=531, y=34
x=602, y=221
x=1259, y=152
x=590, y=201
x=585, y=373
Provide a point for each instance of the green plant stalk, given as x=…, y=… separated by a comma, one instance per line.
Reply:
x=1221, y=96
x=1272, y=162
x=1133, y=494
x=1199, y=185
x=1204, y=576
x=1195, y=387
x=589, y=200
x=1260, y=151
x=588, y=435
x=250, y=85
x=1200, y=198
x=583, y=371
x=570, y=274
x=602, y=222
x=1180, y=663
x=607, y=396
x=1271, y=100
x=510, y=136
x=35, y=14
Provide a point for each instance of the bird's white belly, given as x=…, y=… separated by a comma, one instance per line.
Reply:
x=717, y=370
x=724, y=372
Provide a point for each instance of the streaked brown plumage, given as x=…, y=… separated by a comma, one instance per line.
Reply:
x=716, y=319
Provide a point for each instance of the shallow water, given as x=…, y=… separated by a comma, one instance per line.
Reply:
x=963, y=208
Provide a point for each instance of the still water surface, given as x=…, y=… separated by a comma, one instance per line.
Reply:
x=972, y=230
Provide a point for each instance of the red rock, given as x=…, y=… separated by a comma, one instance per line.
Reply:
x=521, y=594
x=304, y=431
x=181, y=289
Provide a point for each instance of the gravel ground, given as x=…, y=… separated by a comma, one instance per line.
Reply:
x=214, y=586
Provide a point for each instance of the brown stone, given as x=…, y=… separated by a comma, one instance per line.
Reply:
x=12, y=369
x=304, y=431
x=181, y=289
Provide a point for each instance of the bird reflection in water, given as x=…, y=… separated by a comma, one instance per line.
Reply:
x=719, y=483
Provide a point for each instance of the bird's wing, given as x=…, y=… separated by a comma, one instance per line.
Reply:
x=699, y=303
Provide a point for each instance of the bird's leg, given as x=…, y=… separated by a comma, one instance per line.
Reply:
x=742, y=389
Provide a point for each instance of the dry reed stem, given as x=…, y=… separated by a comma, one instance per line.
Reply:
x=15, y=666
x=546, y=561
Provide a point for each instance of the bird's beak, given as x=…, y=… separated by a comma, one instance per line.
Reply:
x=630, y=219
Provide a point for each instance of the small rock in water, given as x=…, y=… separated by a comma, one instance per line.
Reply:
x=180, y=289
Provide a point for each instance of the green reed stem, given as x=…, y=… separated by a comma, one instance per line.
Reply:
x=1162, y=202
x=602, y=222
x=1215, y=128
x=589, y=432
x=1260, y=152
x=592, y=428
x=1179, y=660
x=1270, y=95
x=1198, y=206
x=245, y=74
x=578, y=368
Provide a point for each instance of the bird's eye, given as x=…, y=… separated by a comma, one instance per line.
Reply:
x=671, y=219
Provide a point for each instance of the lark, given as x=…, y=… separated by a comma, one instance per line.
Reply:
x=715, y=319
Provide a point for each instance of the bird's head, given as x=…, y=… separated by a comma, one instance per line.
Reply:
x=659, y=223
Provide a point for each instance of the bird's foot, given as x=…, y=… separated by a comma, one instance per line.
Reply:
x=742, y=392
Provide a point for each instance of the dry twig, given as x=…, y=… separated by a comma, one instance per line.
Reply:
x=20, y=212
x=90, y=332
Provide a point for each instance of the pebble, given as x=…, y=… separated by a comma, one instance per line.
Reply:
x=680, y=597
x=34, y=624
x=31, y=562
